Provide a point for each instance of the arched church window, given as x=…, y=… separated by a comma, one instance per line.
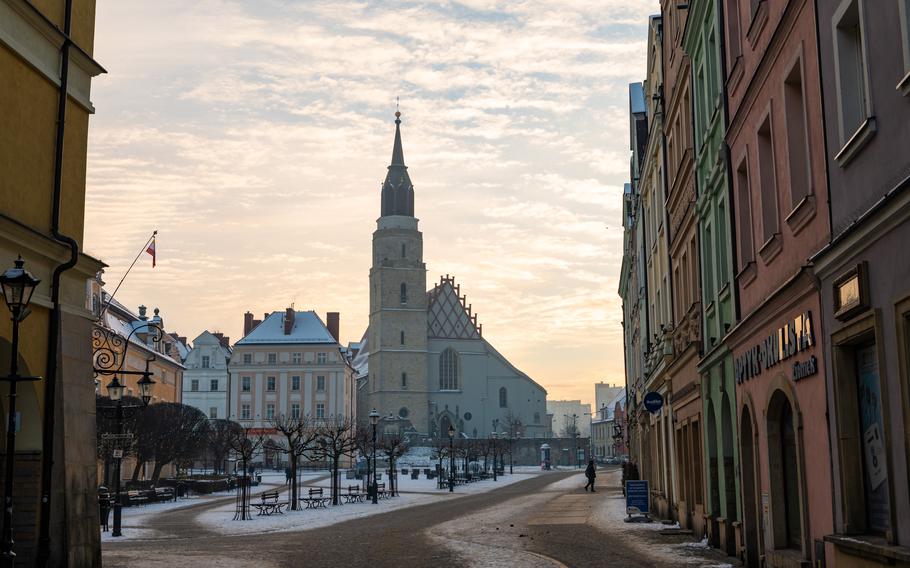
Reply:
x=448, y=370
x=503, y=397
x=404, y=293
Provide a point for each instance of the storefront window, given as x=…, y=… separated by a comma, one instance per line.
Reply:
x=875, y=472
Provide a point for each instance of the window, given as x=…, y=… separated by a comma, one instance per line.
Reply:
x=403, y=250
x=270, y=411
x=205, y=361
x=320, y=383
x=273, y=358
x=404, y=380
x=270, y=384
x=744, y=201
x=213, y=385
x=213, y=412
x=245, y=384
x=295, y=383
x=321, y=358
x=295, y=410
x=850, y=69
x=797, y=136
x=244, y=411
x=733, y=27
x=767, y=180
x=247, y=358
x=448, y=370
x=194, y=385
x=295, y=358
x=503, y=397
x=404, y=293
x=536, y=418
x=402, y=337
x=320, y=410
x=782, y=459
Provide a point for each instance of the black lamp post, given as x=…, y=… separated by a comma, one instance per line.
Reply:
x=115, y=390
x=451, y=459
x=374, y=419
x=18, y=286
x=493, y=443
x=518, y=435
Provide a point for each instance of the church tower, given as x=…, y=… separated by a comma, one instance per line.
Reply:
x=398, y=302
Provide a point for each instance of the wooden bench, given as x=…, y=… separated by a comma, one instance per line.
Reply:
x=135, y=497
x=315, y=499
x=381, y=492
x=269, y=504
x=354, y=495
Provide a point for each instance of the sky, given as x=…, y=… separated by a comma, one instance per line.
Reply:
x=254, y=137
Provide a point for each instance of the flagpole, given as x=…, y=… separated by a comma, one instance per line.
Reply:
x=142, y=250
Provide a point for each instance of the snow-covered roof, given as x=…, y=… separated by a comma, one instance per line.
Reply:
x=122, y=321
x=307, y=328
x=361, y=362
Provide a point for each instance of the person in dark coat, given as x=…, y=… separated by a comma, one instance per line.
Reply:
x=590, y=473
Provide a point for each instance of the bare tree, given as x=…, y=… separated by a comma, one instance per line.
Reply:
x=335, y=440
x=245, y=445
x=512, y=424
x=363, y=441
x=221, y=432
x=298, y=437
x=168, y=432
x=393, y=445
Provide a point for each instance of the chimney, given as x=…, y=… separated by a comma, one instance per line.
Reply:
x=333, y=323
x=289, y=315
x=247, y=323
x=225, y=341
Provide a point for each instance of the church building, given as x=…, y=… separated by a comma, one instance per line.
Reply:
x=423, y=362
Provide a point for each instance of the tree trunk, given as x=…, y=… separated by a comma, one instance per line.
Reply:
x=292, y=459
x=156, y=472
x=335, y=480
x=139, y=464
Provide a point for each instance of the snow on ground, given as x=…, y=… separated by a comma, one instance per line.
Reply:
x=130, y=533
x=610, y=517
x=412, y=492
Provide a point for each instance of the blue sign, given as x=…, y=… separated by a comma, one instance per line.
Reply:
x=653, y=401
x=637, y=496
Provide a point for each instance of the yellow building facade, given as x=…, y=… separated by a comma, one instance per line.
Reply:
x=43, y=138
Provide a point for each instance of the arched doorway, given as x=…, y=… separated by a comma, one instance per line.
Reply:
x=713, y=481
x=727, y=431
x=750, y=505
x=784, y=474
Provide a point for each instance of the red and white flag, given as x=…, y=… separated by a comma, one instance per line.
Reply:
x=151, y=251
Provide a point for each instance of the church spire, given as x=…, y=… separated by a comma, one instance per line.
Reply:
x=397, y=189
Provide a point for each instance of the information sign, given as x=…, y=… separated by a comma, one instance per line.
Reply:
x=637, y=497
x=653, y=402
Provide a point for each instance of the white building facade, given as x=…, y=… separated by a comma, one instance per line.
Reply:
x=289, y=364
x=205, y=381
x=568, y=414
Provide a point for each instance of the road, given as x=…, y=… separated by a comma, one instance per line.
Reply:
x=546, y=522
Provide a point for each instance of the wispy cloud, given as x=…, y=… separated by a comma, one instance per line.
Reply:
x=254, y=137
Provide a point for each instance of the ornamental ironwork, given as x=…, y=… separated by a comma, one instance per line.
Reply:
x=109, y=349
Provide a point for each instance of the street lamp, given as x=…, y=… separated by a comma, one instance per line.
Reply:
x=451, y=458
x=115, y=391
x=493, y=443
x=374, y=420
x=18, y=286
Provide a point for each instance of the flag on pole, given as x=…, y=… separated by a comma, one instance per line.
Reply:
x=151, y=251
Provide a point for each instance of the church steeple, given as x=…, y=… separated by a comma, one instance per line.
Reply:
x=397, y=189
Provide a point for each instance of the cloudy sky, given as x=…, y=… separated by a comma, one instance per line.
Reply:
x=254, y=137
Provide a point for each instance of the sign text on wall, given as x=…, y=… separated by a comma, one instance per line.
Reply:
x=793, y=337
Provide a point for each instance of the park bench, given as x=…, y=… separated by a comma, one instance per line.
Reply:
x=381, y=492
x=315, y=499
x=354, y=495
x=269, y=504
x=135, y=497
x=162, y=494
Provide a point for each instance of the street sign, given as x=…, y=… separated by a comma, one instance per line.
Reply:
x=637, y=497
x=117, y=454
x=107, y=436
x=653, y=401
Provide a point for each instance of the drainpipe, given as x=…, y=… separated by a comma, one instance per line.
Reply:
x=53, y=336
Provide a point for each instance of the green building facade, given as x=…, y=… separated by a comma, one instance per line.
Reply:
x=702, y=41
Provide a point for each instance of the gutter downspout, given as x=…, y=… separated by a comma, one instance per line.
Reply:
x=53, y=337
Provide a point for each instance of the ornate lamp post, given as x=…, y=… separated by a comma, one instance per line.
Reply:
x=374, y=419
x=18, y=286
x=115, y=391
x=451, y=458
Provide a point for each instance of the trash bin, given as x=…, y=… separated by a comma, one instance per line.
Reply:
x=181, y=490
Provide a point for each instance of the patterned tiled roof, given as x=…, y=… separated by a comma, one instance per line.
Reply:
x=448, y=313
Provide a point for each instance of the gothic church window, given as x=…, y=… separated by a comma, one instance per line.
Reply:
x=404, y=293
x=503, y=397
x=448, y=370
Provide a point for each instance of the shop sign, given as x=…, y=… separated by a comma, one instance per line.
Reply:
x=851, y=292
x=653, y=402
x=795, y=336
x=637, y=496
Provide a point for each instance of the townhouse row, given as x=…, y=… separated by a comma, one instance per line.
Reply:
x=766, y=299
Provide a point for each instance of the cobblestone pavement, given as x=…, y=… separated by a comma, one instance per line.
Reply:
x=443, y=533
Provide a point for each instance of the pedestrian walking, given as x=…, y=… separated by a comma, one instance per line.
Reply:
x=287, y=475
x=590, y=473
